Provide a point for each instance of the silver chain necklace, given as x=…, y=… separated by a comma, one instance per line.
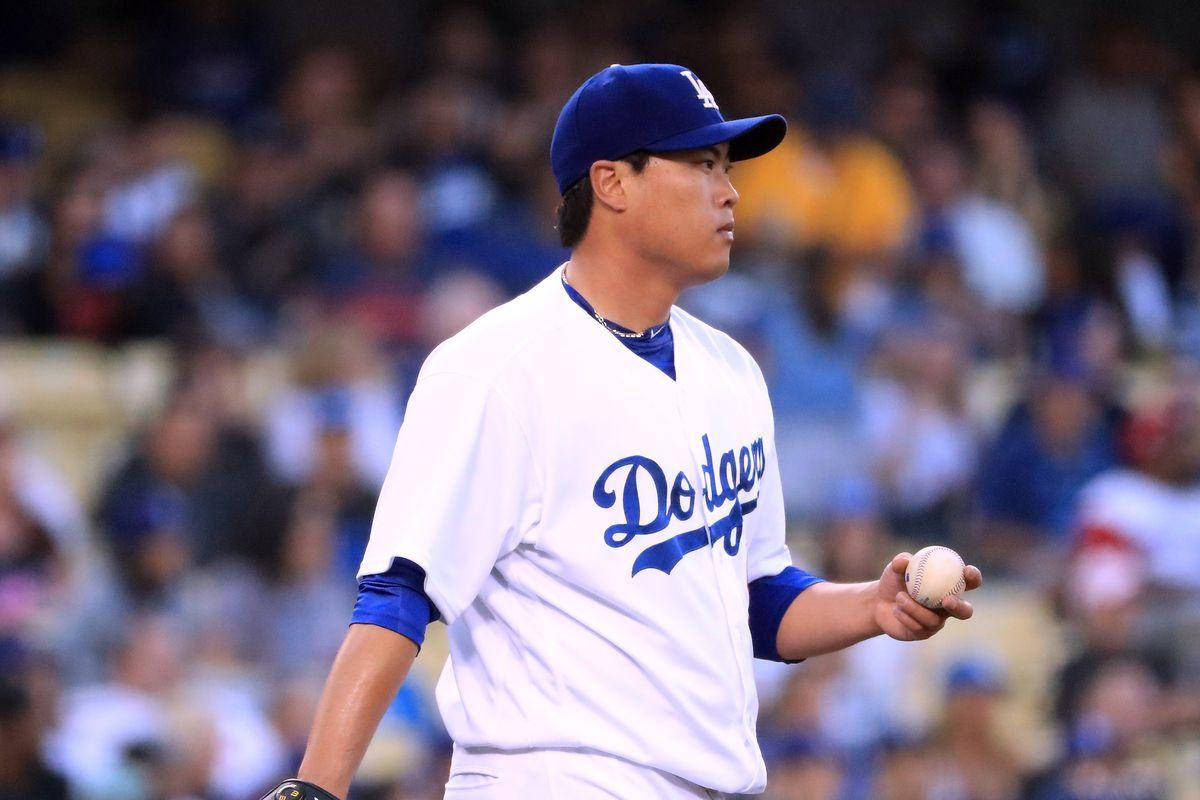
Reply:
x=608, y=326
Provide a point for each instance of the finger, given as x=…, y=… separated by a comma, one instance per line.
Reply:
x=973, y=577
x=926, y=616
x=957, y=607
x=916, y=628
x=900, y=563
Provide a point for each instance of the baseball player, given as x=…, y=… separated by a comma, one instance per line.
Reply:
x=585, y=490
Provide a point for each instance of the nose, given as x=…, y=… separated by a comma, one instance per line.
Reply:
x=729, y=195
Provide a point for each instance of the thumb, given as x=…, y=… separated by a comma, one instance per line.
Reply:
x=900, y=563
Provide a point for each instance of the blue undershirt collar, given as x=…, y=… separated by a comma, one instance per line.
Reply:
x=655, y=345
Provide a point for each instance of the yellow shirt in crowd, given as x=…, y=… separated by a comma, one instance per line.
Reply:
x=854, y=198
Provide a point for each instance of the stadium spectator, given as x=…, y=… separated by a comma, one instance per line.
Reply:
x=303, y=585
x=339, y=379
x=79, y=289
x=1144, y=511
x=834, y=188
x=1006, y=169
x=1001, y=260
x=151, y=183
x=149, y=511
x=918, y=438
x=377, y=278
x=856, y=534
x=906, y=109
x=261, y=211
x=105, y=726
x=971, y=759
x=1050, y=446
x=323, y=99
x=1136, y=523
x=1104, y=595
x=186, y=295
x=1110, y=740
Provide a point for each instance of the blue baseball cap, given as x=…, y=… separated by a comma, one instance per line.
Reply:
x=652, y=107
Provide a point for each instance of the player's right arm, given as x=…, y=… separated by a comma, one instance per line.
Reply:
x=367, y=673
x=459, y=493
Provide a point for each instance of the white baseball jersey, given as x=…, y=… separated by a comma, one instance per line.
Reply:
x=588, y=528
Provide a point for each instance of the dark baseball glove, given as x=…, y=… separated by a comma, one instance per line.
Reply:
x=293, y=789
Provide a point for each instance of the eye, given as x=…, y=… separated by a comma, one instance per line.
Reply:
x=708, y=164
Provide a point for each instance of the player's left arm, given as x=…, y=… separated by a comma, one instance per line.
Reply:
x=830, y=616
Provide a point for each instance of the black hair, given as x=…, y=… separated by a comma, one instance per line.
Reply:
x=575, y=210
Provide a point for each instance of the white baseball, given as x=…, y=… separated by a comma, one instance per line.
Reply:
x=934, y=573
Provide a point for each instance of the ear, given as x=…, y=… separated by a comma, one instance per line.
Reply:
x=608, y=184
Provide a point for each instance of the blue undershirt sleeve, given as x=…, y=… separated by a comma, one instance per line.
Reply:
x=770, y=598
x=396, y=600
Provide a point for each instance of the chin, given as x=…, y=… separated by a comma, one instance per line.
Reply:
x=713, y=270
x=694, y=271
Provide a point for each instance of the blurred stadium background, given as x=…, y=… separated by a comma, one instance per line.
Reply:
x=229, y=232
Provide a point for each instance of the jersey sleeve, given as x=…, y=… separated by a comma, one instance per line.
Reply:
x=767, y=551
x=460, y=492
x=393, y=605
x=396, y=600
x=770, y=598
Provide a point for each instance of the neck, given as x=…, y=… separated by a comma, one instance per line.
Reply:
x=623, y=291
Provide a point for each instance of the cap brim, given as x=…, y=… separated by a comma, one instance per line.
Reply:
x=748, y=138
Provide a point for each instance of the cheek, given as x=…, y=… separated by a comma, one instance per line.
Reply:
x=692, y=216
x=677, y=220
x=664, y=218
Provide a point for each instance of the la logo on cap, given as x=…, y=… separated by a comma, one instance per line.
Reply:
x=702, y=93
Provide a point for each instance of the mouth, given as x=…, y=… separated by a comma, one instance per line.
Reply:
x=726, y=230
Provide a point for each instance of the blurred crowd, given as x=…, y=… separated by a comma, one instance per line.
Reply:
x=971, y=274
